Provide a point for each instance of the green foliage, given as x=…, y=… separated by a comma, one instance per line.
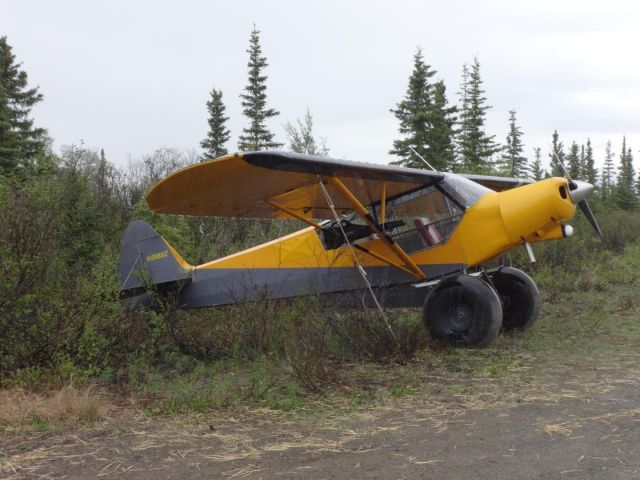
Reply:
x=442, y=118
x=426, y=121
x=589, y=171
x=254, y=102
x=512, y=163
x=476, y=148
x=537, y=172
x=301, y=139
x=30, y=268
x=625, y=193
x=557, y=153
x=218, y=134
x=9, y=139
x=36, y=422
x=59, y=293
x=573, y=161
x=607, y=178
x=586, y=262
x=20, y=141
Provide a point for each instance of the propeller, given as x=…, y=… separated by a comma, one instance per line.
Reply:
x=579, y=191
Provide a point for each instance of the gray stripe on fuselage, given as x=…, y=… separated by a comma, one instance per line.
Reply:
x=210, y=287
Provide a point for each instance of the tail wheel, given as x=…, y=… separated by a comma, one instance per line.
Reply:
x=520, y=298
x=465, y=312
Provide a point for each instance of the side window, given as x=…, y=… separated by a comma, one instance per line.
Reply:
x=427, y=219
x=416, y=221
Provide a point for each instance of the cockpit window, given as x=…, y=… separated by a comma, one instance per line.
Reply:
x=428, y=219
x=418, y=220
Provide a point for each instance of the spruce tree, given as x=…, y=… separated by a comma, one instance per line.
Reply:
x=442, y=118
x=475, y=147
x=214, y=144
x=537, y=172
x=512, y=162
x=254, y=102
x=301, y=139
x=589, y=171
x=573, y=161
x=625, y=188
x=557, y=152
x=20, y=141
x=9, y=139
x=426, y=121
x=607, y=178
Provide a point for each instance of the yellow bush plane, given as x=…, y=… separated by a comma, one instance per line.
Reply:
x=385, y=235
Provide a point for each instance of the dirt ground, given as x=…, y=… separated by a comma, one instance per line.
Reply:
x=580, y=421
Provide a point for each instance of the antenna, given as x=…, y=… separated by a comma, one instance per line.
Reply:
x=422, y=158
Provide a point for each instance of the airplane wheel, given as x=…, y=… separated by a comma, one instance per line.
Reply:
x=465, y=312
x=520, y=298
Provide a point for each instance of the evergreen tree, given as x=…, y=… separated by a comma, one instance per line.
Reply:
x=557, y=152
x=537, y=172
x=254, y=102
x=218, y=135
x=426, y=120
x=607, y=182
x=412, y=114
x=301, y=139
x=632, y=174
x=20, y=141
x=573, y=161
x=589, y=171
x=475, y=146
x=512, y=162
x=9, y=139
x=625, y=192
x=442, y=118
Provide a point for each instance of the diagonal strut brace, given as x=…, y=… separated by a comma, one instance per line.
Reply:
x=364, y=213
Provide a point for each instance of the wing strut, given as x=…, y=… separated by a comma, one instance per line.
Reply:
x=363, y=273
x=364, y=213
x=382, y=259
x=383, y=202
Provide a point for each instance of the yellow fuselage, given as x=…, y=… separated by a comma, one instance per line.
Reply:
x=495, y=224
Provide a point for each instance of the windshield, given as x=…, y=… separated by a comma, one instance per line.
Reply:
x=466, y=191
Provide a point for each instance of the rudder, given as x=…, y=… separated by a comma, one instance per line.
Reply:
x=145, y=253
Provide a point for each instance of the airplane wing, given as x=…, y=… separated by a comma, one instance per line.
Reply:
x=248, y=184
x=498, y=183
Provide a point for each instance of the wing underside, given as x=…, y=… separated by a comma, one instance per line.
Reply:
x=248, y=185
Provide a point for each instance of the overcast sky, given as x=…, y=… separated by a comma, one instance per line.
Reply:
x=131, y=76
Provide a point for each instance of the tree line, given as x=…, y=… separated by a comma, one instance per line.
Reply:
x=454, y=138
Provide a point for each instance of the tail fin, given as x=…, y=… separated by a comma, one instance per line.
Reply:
x=146, y=255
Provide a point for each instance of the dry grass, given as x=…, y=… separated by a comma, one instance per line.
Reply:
x=67, y=405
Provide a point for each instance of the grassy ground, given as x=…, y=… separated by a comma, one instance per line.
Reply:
x=585, y=324
x=564, y=391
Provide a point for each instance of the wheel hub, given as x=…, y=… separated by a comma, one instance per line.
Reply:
x=460, y=317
